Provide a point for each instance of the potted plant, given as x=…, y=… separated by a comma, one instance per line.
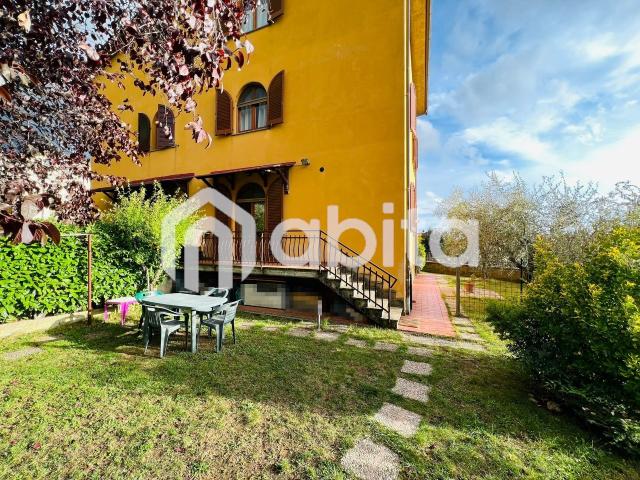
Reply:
x=470, y=285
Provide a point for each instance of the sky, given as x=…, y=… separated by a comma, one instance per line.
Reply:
x=530, y=86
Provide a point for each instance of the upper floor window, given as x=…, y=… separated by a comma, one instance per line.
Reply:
x=165, y=128
x=256, y=18
x=144, y=132
x=252, y=108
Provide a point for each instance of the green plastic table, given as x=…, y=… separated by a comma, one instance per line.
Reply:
x=188, y=304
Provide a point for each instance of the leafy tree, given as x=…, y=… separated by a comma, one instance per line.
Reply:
x=134, y=227
x=512, y=215
x=55, y=58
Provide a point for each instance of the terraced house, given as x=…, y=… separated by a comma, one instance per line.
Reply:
x=323, y=115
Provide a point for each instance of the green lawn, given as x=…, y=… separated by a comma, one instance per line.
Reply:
x=273, y=406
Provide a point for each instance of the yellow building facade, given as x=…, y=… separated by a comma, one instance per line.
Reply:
x=349, y=78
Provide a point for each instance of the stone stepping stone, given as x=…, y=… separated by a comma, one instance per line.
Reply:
x=271, y=328
x=339, y=328
x=441, y=342
x=244, y=326
x=385, y=347
x=18, y=354
x=474, y=337
x=95, y=335
x=466, y=329
x=411, y=390
x=327, y=336
x=462, y=322
x=47, y=339
x=419, y=351
x=299, y=332
x=356, y=343
x=416, y=368
x=398, y=419
x=370, y=461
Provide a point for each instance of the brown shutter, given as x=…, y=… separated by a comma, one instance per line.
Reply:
x=416, y=146
x=164, y=117
x=275, y=113
x=144, y=132
x=275, y=201
x=413, y=107
x=276, y=8
x=224, y=114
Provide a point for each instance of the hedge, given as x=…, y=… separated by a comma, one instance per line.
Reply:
x=51, y=279
x=577, y=329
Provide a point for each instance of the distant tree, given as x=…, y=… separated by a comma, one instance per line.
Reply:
x=512, y=215
x=55, y=58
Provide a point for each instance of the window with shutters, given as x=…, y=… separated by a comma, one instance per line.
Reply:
x=252, y=108
x=258, y=17
x=165, y=127
x=144, y=132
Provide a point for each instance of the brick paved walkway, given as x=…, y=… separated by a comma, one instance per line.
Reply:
x=429, y=314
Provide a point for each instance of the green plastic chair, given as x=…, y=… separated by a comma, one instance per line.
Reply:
x=145, y=293
x=218, y=321
x=217, y=292
x=163, y=320
x=139, y=296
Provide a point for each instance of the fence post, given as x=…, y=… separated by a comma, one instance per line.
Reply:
x=458, y=313
x=89, y=278
x=521, y=280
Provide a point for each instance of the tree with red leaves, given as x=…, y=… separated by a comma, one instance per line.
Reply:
x=55, y=57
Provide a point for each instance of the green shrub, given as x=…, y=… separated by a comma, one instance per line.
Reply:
x=50, y=279
x=577, y=329
x=133, y=228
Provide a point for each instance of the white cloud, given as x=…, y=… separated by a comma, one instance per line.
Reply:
x=506, y=136
x=609, y=164
x=539, y=87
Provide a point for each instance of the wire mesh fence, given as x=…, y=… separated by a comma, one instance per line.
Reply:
x=468, y=291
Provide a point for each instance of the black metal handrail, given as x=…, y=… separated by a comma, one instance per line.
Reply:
x=313, y=249
x=365, y=277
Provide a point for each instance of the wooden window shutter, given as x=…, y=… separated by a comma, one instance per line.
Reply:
x=275, y=204
x=164, y=117
x=413, y=107
x=275, y=113
x=415, y=152
x=144, y=132
x=224, y=114
x=276, y=8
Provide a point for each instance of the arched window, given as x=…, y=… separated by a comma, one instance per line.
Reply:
x=144, y=132
x=251, y=198
x=252, y=108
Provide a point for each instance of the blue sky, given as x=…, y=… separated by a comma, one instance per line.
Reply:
x=534, y=86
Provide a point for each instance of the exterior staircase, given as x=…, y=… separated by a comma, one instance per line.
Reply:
x=364, y=285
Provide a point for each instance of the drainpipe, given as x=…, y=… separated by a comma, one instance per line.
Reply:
x=407, y=107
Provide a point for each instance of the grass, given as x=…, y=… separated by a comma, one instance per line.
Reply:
x=92, y=405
